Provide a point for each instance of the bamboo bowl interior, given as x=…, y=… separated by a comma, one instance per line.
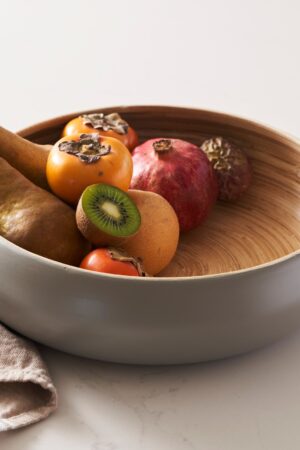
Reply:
x=261, y=227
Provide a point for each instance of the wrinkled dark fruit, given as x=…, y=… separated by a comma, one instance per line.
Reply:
x=231, y=166
x=181, y=173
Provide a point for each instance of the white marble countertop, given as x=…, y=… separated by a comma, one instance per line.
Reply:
x=237, y=57
x=249, y=402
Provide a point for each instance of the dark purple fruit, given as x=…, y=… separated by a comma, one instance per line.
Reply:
x=231, y=165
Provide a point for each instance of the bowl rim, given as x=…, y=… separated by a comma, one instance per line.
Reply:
x=53, y=121
x=100, y=275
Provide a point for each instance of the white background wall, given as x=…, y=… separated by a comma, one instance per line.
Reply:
x=236, y=56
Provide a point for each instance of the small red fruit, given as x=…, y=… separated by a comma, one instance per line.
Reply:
x=181, y=173
x=231, y=166
x=109, y=260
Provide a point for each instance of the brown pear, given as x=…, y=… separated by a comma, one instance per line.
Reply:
x=156, y=241
x=27, y=157
x=36, y=220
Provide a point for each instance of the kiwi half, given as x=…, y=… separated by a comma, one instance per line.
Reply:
x=105, y=215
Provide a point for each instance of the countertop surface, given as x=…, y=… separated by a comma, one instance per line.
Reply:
x=237, y=57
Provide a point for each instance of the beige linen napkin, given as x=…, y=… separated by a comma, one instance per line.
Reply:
x=27, y=394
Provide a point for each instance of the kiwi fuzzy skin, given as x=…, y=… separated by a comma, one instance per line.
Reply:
x=156, y=241
x=94, y=234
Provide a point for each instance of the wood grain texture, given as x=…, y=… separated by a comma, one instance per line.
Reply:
x=262, y=226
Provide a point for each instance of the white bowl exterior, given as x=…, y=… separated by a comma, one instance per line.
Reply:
x=147, y=321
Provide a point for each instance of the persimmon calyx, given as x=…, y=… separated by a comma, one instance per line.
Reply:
x=106, y=122
x=88, y=148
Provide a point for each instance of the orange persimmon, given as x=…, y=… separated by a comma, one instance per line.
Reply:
x=110, y=125
x=101, y=260
x=75, y=162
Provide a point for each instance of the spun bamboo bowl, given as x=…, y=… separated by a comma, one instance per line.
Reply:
x=233, y=286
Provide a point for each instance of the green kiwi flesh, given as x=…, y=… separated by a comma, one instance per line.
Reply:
x=111, y=210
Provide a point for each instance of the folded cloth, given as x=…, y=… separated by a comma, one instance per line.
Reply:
x=27, y=393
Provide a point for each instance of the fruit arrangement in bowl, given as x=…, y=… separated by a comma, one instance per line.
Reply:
x=108, y=203
x=166, y=235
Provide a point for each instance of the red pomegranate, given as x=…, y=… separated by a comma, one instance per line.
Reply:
x=181, y=173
